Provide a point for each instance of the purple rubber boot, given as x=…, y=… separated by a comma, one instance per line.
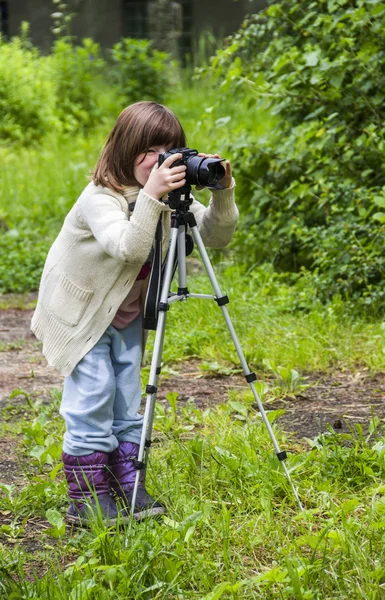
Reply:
x=88, y=488
x=122, y=481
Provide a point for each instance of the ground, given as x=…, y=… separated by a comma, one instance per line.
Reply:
x=340, y=399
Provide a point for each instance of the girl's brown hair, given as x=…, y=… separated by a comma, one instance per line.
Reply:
x=138, y=128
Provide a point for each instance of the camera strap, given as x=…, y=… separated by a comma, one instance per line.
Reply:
x=150, y=313
x=151, y=303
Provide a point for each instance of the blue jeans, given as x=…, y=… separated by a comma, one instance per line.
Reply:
x=101, y=397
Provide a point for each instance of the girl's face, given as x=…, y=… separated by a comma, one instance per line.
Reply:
x=145, y=162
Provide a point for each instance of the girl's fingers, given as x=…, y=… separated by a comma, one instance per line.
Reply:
x=173, y=170
x=209, y=155
x=177, y=184
x=170, y=160
x=177, y=176
x=180, y=169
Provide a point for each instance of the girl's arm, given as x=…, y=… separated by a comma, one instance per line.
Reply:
x=216, y=223
x=129, y=240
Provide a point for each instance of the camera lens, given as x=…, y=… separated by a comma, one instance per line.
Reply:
x=204, y=171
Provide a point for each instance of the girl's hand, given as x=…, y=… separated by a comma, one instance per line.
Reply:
x=165, y=179
x=228, y=177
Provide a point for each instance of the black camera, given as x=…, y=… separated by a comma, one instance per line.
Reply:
x=206, y=172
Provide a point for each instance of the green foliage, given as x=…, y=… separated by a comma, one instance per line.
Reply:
x=41, y=95
x=139, y=71
x=310, y=189
x=74, y=88
x=27, y=93
x=77, y=73
x=35, y=199
x=289, y=381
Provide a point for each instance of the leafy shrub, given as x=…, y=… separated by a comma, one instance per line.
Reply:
x=139, y=71
x=71, y=88
x=77, y=71
x=39, y=94
x=310, y=189
x=27, y=95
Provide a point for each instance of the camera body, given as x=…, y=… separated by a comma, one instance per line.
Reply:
x=205, y=172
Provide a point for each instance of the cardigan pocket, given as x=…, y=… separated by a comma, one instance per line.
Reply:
x=68, y=301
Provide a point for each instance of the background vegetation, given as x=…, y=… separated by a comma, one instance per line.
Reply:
x=305, y=135
x=312, y=189
x=295, y=100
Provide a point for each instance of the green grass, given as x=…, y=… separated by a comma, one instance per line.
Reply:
x=233, y=529
x=270, y=327
x=37, y=188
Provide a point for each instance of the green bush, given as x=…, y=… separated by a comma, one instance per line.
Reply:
x=77, y=73
x=310, y=189
x=27, y=93
x=139, y=71
x=60, y=92
x=73, y=89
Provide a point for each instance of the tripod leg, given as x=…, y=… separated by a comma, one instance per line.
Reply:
x=151, y=389
x=182, y=271
x=250, y=377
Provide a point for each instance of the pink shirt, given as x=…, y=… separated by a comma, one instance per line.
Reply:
x=130, y=307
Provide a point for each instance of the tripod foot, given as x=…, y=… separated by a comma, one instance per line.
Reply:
x=145, y=505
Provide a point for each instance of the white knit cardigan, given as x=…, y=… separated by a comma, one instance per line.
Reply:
x=96, y=258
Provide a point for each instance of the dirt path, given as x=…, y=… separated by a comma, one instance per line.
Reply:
x=340, y=399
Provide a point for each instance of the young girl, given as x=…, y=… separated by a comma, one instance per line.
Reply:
x=88, y=314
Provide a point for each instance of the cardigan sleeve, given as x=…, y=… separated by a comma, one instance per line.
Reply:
x=127, y=239
x=216, y=223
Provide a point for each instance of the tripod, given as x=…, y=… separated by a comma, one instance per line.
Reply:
x=181, y=217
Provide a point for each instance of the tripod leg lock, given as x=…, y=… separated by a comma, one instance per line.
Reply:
x=189, y=219
x=164, y=306
x=139, y=465
x=222, y=301
x=250, y=377
x=151, y=389
x=282, y=455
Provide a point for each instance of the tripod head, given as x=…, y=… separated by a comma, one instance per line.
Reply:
x=175, y=200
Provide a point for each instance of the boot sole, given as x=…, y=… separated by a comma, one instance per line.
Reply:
x=155, y=511
x=85, y=522
x=138, y=516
